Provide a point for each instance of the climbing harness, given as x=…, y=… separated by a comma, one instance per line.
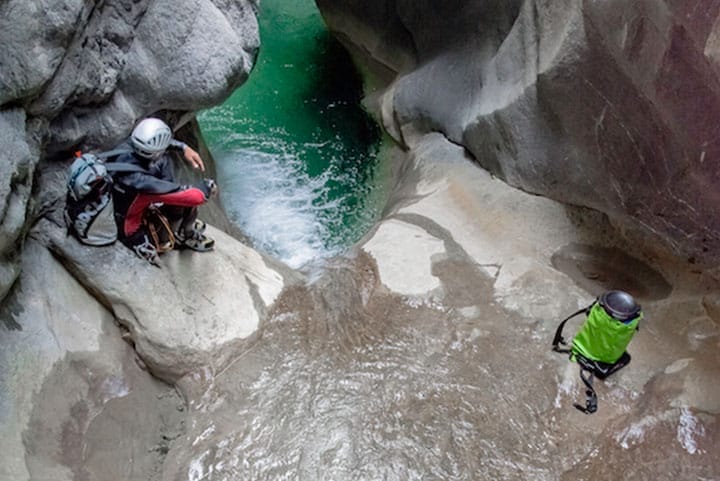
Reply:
x=599, y=347
x=158, y=227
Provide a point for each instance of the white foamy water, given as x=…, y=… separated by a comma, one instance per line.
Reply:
x=635, y=433
x=689, y=429
x=301, y=201
x=279, y=206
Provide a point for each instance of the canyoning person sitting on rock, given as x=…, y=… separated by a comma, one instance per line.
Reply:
x=150, y=201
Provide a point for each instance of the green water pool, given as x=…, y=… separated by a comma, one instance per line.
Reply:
x=298, y=158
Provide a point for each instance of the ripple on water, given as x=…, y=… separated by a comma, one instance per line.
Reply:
x=277, y=204
x=408, y=395
x=297, y=154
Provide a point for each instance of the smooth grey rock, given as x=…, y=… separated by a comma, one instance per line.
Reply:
x=195, y=312
x=34, y=36
x=197, y=53
x=607, y=105
x=92, y=69
x=75, y=405
x=93, y=61
x=16, y=175
x=131, y=59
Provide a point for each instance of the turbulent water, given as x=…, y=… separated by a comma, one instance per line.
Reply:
x=404, y=393
x=296, y=154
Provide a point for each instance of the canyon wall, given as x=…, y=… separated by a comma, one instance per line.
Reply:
x=609, y=105
x=79, y=74
x=80, y=327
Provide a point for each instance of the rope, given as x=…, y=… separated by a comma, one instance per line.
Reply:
x=157, y=226
x=591, y=403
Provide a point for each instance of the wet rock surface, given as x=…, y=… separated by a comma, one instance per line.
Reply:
x=75, y=403
x=443, y=369
x=87, y=333
x=193, y=312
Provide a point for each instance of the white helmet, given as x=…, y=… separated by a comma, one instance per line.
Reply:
x=151, y=137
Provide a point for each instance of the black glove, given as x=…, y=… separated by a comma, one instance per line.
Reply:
x=212, y=188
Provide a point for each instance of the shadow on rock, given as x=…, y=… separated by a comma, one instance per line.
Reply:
x=597, y=269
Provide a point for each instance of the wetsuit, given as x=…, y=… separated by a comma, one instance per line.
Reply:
x=133, y=192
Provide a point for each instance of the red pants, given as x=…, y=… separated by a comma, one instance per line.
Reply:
x=191, y=197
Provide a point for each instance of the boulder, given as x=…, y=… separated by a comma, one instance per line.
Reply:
x=129, y=59
x=196, y=311
x=16, y=177
x=75, y=403
x=607, y=105
x=35, y=37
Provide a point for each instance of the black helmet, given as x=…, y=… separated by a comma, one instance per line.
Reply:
x=620, y=305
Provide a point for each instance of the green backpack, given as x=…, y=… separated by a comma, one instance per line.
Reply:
x=603, y=338
x=600, y=345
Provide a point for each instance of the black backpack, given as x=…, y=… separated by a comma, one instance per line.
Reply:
x=89, y=213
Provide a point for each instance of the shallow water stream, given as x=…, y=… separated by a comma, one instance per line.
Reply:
x=405, y=390
x=349, y=383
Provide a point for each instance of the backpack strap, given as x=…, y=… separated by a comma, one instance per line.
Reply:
x=559, y=339
x=590, y=395
x=112, y=153
x=113, y=167
x=585, y=365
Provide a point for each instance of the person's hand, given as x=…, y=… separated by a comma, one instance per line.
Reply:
x=193, y=158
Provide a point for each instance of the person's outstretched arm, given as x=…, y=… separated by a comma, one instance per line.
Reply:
x=190, y=154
